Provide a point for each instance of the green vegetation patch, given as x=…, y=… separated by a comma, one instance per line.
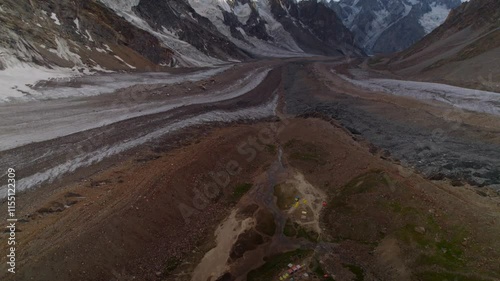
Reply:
x=276, y=264
x=293, y=229
x=408, y=235
x=172, y=264
x=240, y=190
x=445, y=252
x=307, y=234
x=290, y=143
x=285, y=195
x=479, y=47
x=271, y=148
x=397, y=208
x=318, y=269
x=305, y=152
x=289, y=230
x=306, y=156
x=247, y=241
x=445, y=276
x=375, y=60
x=358, y=185
x=265, y=222
x=356, y=270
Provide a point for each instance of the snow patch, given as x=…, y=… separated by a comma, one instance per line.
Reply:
x=242, y=31
x=16, y=81
x=124, y=6
x=99, y=68
x=53, y=16
x=77, y=24
x=106, y=83
x=65, y=53
x=89, y=36
x=108, y=48
x=434, y=18
x=243, y=12
x=120, y=59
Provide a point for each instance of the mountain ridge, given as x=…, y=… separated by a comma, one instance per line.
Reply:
x=147, y=35
x=464, y=50
x=387, y=26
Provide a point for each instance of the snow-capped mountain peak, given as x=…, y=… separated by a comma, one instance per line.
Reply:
x=386, y=26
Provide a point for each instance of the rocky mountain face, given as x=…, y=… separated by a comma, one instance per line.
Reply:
x=74, y=34
x=316, y=28
x=230, y=30
x=464, y=50
x=387, y=26
x=147, y=34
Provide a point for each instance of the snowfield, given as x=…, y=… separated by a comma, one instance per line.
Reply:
x=463, y=98
x=284, y=45
x=434, y=18
x=16, y=82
